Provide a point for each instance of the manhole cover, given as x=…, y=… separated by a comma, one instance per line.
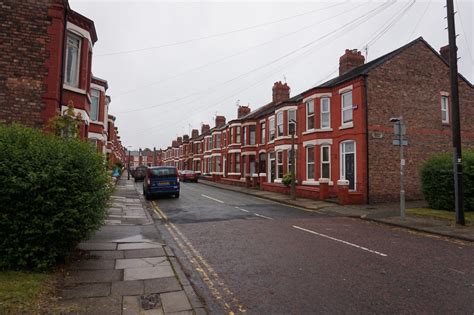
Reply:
x=150, y=301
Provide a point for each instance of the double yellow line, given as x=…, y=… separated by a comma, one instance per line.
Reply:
x=216, y=286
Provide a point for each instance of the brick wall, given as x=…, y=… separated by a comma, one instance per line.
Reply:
x=410, y=85
x=30, y=43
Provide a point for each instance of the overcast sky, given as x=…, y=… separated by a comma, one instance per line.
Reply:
x=172, y=66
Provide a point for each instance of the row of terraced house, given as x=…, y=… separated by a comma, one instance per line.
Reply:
x=344, y=137
x=46, y=64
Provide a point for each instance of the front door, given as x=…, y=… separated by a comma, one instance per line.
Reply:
x=348, y=163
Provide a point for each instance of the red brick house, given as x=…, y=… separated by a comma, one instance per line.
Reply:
x=344, y=137
x=99, y=114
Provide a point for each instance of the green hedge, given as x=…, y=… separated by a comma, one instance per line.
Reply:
x=437, y=181
x=53, y=194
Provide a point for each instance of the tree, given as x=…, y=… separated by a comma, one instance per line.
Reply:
x=67, y=123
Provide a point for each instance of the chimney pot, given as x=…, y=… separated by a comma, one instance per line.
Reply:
x=194, y=133
x=351, y=59
x=205, y=128
x=220, y=121
x=242, y=111
x=281, y=92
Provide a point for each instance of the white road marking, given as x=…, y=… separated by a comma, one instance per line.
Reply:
x=242, y=209
x=212, y=198
x=262, y=216
x=341, y=241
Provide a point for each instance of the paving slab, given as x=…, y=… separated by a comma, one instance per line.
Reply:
x=158, y=311
x=175, y=302
x=107, y=254
x=148, y=273
x=130, y=305
x=140, y=253
x=181, y=313
x=97, y=246
x=134, y=287
x=141, y=262
x=138, y=246
x=162, y=285
x=86, y=290
x=93, y=276
x=93, y=264
x=94, y=305
x=192, y=297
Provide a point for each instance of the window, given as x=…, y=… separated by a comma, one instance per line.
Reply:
x=262, y=133
x=279, y=164
x=209, y=166
x=325, y=113
x=225, y=138
x=218, y=164
x=218, y=141
x=244, y=139
x=348, y=162
x=310, y=163
x=232, y=140
x=290, y=160
x=95, y=104
x=252, y=164
x=262, y=166
x=280, y=124
x=444, y=109
x=73, y=49
x=325, y=161
x=291, y=121
x=271, y=128
x=252, y=134
x=211, y=143
x=237, y=134
x=310, y=115
x=347, y=107
x=237, y=162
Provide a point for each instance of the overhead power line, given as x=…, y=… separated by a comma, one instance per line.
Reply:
x=217, y=35
x=346, y=25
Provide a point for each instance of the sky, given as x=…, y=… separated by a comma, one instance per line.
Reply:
x=172, y=66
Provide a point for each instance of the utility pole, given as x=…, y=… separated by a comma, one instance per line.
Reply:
x=292, y=159
x=456, y=125
x=128, y=171
x=154, y=156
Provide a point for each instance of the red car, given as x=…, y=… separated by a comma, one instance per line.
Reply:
x=188, y=175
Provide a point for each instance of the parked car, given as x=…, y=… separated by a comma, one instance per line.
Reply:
x=132, y=171
x=140, y=173
x=188, y=175
x=161, y=180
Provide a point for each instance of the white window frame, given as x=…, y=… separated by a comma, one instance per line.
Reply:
x=288, y=161
x=345, y=107
x=280, y=124
x=95, y=95
x=271, y=129
x=289, y=123
x=445, y=109
x=252, y=134
x=263, y=131
x=309, y=115
x=277, y=163
x=323, y=112
x=322, y=162
x=239, y=162
x=342, y=165
x=75, y=81
x=309, y=163
x=244, y=138
x=237, y=135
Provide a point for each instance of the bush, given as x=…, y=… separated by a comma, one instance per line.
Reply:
x=438, y=182
x=286, y=180
x=53, y=195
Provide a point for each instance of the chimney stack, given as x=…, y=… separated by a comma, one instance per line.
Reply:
x=174, y=143
x=350, y=60
x=179, y=140
x=242, y=111
x=444, y=52
x=281, y=92
x=220, y=121
x=194, y=133
x=205, y=128
x=185, y=138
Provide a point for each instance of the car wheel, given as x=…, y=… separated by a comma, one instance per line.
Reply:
x=147, y=196
x=176, y=195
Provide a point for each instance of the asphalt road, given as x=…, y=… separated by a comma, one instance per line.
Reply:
x=245, y=254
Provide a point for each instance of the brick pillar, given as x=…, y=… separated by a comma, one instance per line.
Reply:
x=323, y=188
x=343, y=192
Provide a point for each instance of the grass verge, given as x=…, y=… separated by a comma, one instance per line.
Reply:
x=25, y=292
x=440, y=214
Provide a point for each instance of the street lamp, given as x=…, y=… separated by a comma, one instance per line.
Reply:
x=292, y=131
x=400, y=131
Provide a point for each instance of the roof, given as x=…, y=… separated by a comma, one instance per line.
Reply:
x=365, y=69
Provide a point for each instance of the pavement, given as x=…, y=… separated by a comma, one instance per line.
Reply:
x=388, y=213
x=126, y=268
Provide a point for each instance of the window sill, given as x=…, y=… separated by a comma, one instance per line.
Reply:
x=346, y=126
x=311, y=183
x=277, y=180
x=74, y=89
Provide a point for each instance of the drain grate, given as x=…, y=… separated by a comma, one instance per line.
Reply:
x=150, y=301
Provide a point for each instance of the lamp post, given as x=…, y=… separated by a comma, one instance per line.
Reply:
x=400, y=131
x=292, y=159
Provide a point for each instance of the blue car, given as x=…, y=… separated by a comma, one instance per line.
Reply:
x=161, y=180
